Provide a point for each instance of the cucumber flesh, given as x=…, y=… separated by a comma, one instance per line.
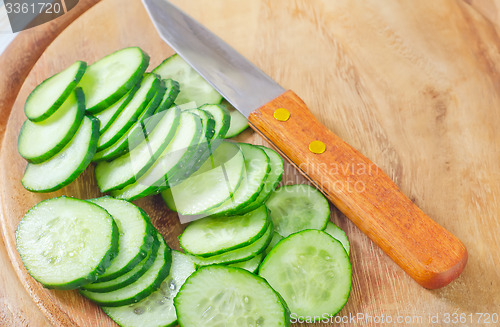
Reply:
x=49, y=95
x=129, y=277
x=275, y=240
x=272, y=180
x=211, y=185
x=68, y=164
x=128, y=168
x=157, y=310
x=250, y=265
x=256, y=170
x=193, y=88
x=311, y=271
x=169, y=96
x=214, y=235
x=131, y=113
x=338, y=234
x=108, y=115
x=222, y=119
x=109, y=78
x=136, y=235
x=240, y=254
x=226, y=296
x=173, y=158
x=141, y=288
x=123, y=145
x=238, y=122
x=298, y=207
x=39, y=142
x=65, y=243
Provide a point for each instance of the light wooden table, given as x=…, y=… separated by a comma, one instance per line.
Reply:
x=467, y=187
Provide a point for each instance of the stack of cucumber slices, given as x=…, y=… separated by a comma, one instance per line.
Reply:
x=114, y=113
x=253, y=254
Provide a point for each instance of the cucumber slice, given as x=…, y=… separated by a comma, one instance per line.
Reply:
x=338, y=234
x=193, y=88
x=123, y=144
x=141, y=288
x=275, y=240
x=128, y=168
x=129, y=115
x=65, y=243
x=240, y=254
x=136, y=235
x=214, y=235
x=238, y=122
x=174, y=157
x=108, y=115
x=222, y=119
x=225, y=296
x=171, y=93
x=256, y=170
x=48, y=96
x=68, y=164
x=250, y=265
x=109, y=78
x=272, y=180
x=39, y=142
x=129, y=277
x=298, y=207
x=312, y=272
x=157, y=310
x=211, y=185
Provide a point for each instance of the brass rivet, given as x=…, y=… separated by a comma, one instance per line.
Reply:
x=317, y=147
x=281, y=114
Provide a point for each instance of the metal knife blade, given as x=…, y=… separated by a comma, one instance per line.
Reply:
x=239, y=81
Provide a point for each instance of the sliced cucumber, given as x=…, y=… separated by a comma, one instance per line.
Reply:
x=256, y=170
x=172, y=90
x=225, y=296
x=129, y=115
x=39, y=142
x=193, y=87
x=68, y=164
x=298, y=207
x=238, y=122
x=136, y=235
x=65, y=243
x=108, y=115
x=250, y=265
x=49, y=95
x=174, y=157
x=128, y=168
x=222, y=119
x=272, y=180
x=214, y=235
x=157, y=310
x=338, y=234
x=312, y=272
x=240, y=254
x=129, y=277
x=141, y=288
x=275, y=240
x=129, y=139
x=109, y=78
x=211, y=185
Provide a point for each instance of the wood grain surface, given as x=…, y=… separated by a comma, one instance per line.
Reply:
x=413, y=85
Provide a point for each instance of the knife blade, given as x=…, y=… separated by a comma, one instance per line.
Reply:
x=430, y=254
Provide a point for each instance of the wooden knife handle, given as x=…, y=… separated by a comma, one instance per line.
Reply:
x=430, y=254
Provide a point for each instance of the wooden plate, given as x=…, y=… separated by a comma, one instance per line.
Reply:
x=414, y=87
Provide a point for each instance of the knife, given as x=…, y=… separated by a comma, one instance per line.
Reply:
x=430, y=254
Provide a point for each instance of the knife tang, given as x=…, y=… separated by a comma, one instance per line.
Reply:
x=430, y=254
